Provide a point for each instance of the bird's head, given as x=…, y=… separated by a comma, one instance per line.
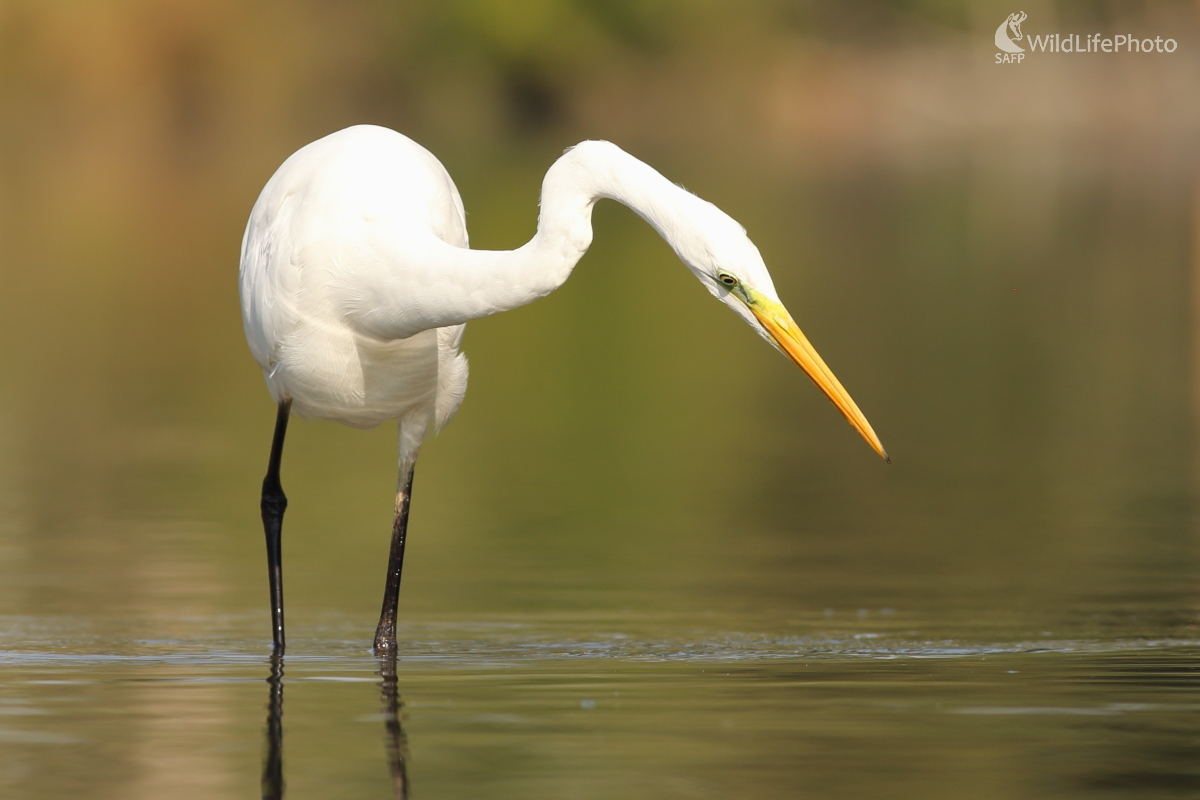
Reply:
x=732, y=269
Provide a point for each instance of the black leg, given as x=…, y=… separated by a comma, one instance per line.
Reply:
x=396, y=742
x=272, y=774
x=385, y=634
x=274, y=503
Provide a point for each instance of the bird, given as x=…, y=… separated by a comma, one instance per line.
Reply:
x=357, y=279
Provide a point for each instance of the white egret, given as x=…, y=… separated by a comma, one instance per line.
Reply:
x=356, y=282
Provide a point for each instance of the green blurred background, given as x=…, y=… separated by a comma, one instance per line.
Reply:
x=997, y=261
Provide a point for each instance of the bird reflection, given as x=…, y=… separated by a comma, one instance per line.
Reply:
x=272, y=774
x=395, y=741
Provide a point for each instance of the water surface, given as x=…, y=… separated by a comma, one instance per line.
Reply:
x=591, y=707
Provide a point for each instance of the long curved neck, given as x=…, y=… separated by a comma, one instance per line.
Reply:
x=594, y=170
x=469, y=284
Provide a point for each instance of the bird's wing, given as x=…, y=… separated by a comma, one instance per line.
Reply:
x=452, y=374
x=268, y=278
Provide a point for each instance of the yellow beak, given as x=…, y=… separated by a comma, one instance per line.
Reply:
x=783, y=329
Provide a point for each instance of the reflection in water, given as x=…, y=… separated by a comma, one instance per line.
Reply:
x=395, y=742
x=272, y=774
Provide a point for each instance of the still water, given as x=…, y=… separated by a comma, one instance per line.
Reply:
x=647, y=559
x=567, y=708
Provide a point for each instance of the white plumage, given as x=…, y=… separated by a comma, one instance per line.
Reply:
x=357, y=280
x=325, y=221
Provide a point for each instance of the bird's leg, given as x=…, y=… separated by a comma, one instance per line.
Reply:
x=274, y=503
x=385, y=634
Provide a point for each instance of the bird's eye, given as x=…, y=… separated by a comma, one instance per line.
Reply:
x=727, y=279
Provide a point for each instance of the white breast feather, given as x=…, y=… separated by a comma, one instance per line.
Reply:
x=304, y=244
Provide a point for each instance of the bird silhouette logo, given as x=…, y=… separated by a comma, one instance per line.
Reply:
x=1003, y=40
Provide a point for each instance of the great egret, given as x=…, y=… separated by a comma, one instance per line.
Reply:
x=356, y=282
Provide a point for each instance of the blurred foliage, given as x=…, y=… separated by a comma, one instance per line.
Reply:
x=186, y=76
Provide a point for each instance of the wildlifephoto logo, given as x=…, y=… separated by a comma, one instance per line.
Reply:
x=1013, y=23
x=1009, y=33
